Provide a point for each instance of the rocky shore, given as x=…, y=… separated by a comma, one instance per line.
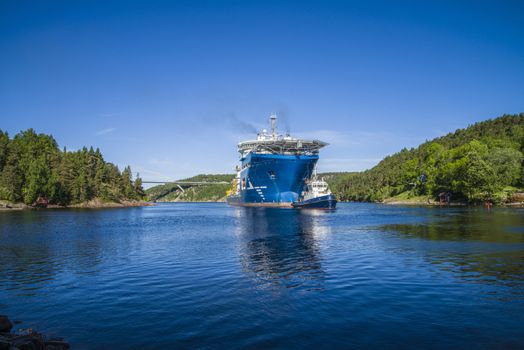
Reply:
x=97, y=203
x=93, y=204
x=423, y=202
x=27, y=339
x=451, y=204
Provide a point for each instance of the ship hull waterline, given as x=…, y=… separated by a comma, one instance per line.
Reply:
x=326, y=202
x=236, y=202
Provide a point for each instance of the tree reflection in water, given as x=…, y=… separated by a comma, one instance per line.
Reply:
x=280, y=247
x=37, y=246
x=479, y=245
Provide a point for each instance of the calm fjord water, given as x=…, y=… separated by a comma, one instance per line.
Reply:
x=211, y=276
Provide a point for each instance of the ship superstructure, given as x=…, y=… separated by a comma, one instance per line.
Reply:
x=274, y=168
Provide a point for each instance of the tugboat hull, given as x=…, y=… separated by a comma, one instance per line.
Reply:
x=328, y=202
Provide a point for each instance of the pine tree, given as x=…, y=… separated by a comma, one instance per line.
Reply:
x=127, y=183
x=4, y=143
x=11, y=182
x=139, y=190
x=37, y=180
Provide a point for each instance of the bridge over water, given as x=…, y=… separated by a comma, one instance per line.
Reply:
x=179, y=184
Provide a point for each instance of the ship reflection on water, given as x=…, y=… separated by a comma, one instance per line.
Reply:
x=281, y=248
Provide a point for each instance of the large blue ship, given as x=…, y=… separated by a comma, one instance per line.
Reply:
x=274, y=169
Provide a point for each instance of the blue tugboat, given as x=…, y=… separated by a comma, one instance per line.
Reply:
x=316, y=196
x=274, y=169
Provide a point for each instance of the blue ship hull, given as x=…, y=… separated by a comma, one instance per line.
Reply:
x=272, y=179
x=328, y=202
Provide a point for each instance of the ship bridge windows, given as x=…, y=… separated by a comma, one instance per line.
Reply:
x=272, y=174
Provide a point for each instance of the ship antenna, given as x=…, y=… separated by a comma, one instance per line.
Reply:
x=273, y=119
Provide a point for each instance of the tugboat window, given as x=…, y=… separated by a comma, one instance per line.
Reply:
x=271, y=174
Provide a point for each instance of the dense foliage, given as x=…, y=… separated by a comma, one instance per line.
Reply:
x=32, y=166
x=193, y=193
x=481, y=162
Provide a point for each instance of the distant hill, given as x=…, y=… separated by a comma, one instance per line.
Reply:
x=192, y=193
x=483, y=161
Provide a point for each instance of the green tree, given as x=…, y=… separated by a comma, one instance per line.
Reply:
x=507, y=164
x=11, y=182
x=139, y=190
x=4, y=144
x=479, y=179
x=37, y=180
x=127, y=183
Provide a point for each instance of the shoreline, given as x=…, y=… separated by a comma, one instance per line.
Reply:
x=97, y=204
x=220, y=201
x=92, y=204
x=395, y=202
x=451, y=204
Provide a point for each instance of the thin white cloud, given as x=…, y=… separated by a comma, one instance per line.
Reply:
x=161, y=162
x=352, y=138
x=151, y=175
x=105, y=131
x=346, y=164
x=159, y=167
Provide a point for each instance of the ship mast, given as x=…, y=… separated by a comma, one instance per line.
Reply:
x=273, y=119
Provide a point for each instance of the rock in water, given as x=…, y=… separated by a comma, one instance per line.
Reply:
x=4, y=343
x=5, y=324
x=28, y=342
x=27, y=339
x=56, y=344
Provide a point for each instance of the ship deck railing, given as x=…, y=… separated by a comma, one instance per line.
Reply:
x=282, y=146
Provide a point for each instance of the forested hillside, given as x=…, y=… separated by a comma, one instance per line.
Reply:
x=193, y=193
x=32, y=166
x=481, y=162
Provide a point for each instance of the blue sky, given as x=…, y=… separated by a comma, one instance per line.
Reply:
x=170, y=87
